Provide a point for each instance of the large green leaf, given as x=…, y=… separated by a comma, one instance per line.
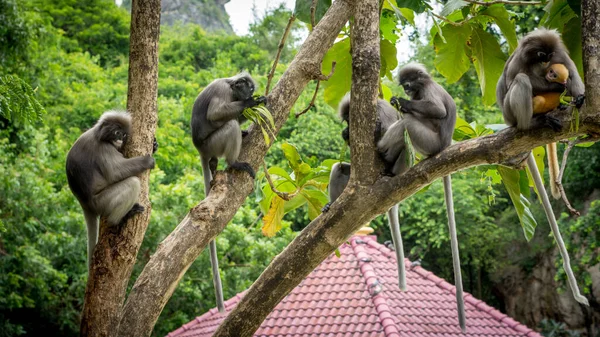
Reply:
x=507, y=26
x=316, y=200
x=489, y=61
x=463, y=130
x=388, y=59
x=339, y=83
x=291, y=154
x=572, y=38
x=302, y=10
x=387, y=27
x=512, y=181
x=451, y=58
x=558, y=13
x=452, y=6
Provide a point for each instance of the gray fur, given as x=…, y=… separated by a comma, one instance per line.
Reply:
x=429, y=116
x=101, y=178
x=525, y=61
x=216, y=133
x=386, y=116
x=338, y=179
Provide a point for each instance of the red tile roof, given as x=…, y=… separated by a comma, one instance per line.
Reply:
x=357, y=295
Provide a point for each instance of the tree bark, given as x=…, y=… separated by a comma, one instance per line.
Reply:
x=366, y=63
x=175, y=254
x=116, y=251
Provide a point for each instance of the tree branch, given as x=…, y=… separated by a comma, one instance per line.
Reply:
x=559, y=184
x=279, y=49
x=116, y=251
x=360, y=204
x=366, y=64
x=287, y=196
x=174, y=255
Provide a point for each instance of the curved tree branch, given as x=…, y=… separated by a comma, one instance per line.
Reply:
x=175, y=254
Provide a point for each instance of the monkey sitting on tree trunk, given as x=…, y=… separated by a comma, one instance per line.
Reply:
x=340, y=175
x=524, y=77
x=101, y=178
x=216, y=133
x=429, y=118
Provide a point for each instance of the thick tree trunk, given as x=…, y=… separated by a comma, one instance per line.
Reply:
x=115, y=254
x=176, y=253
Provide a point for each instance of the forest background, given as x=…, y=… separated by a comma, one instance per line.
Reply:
x=75, y=54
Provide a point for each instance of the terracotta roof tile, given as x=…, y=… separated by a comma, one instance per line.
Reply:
x=357, y=295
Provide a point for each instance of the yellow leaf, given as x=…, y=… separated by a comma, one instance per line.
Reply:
x=272, y=220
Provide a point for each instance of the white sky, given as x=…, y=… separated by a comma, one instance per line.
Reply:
x=240, y=12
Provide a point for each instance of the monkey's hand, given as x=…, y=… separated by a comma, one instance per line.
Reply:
x=579, y=101
x=149, y=161
x=395, y=102
x=154, y=146
x=252, y=102
x=553, y=122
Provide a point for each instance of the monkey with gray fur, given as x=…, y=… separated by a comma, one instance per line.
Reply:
x=340, y=174
x=216, y=133
x=524, y=77
x=429, y=118
x=101, y=178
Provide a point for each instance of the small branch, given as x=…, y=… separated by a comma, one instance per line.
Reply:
x=279, y=49
x=559, y=185
x=505, y=2
x=287, y=196
x=445, y=19
x=312, y=101
x=313, y=10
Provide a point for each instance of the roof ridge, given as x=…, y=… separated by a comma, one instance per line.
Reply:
x=447, y=286
x=384, y=312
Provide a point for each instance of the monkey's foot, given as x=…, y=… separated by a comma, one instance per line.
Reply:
x=135, y=209
x=553, y=122
x=244, y=133
x=154, y=145
x=325, y=208
x=579, y=101
x=242, y=166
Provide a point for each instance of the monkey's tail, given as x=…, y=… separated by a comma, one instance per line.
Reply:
x=537, y=179
x=91, y=221
x=553, y=169
x=460, y=304
x=212, y=245
x=398, y=246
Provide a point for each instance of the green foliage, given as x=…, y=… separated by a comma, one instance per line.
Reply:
x=552, y=328
x=267, y=33
x=99, y=27
x=303, y=12
x=18, y=102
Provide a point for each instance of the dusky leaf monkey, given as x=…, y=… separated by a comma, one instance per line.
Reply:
x=216, y=133
x=524, y=77
x=340, y=175
x=101, y=178
x=429, y=118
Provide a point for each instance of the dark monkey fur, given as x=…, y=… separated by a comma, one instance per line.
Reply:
x=524, y=76
x=101, y=178
x=340, y=174
x=216, y=133
x=429, y=117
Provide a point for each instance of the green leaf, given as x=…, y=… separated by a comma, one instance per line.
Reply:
x=387, y=92
x=291, y=154
x=558, y=13
x=511, y=179
x=571, y=36
x=339, y=83
x=587, y=144
x=272, y=220
x=451, y=6
x=489, y=61
x=418, y=6
x=451, y=58
x=507, y=26
x=302, y=10
x=538, y=154
x=389, y=60
x=316, y=200
x=387, y=27
x=408, y=14
x=278, y=171
x=463, y=130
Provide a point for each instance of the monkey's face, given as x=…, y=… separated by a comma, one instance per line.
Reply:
x=540, y=55
x=119, y=138
x=114, y=133
x=243, y=89
x=412, y=86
